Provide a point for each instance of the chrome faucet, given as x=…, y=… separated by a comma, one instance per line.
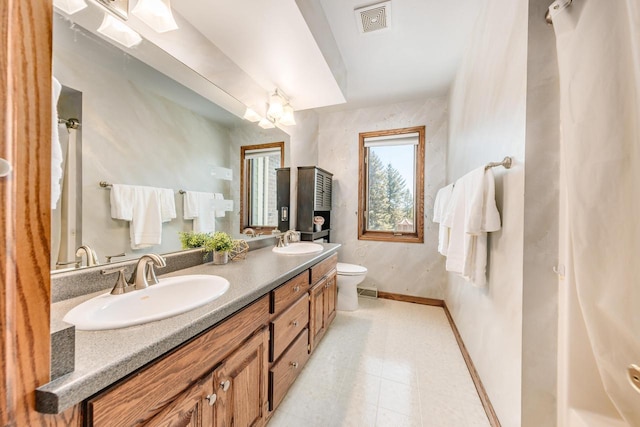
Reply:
x=287, y=237
x=90, y=255
x=144, y=274
x=291, y=236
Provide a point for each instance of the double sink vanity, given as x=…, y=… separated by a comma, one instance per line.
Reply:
x=228, y=361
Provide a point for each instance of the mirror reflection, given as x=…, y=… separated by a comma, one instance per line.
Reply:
x=258, y=164
x=134, y=126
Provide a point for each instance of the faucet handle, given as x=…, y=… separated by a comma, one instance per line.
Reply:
x=108, y=257
x=121, y=284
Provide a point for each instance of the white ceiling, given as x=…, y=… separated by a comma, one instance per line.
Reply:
x=271, y=41
x=311, y=50
x=417, y=56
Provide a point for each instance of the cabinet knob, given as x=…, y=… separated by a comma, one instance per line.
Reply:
x=294, y=323
x=294, y=364
x=212, y=399
x=296, y=289
x=225, y=385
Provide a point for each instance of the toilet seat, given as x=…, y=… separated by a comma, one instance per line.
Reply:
x=345, y=269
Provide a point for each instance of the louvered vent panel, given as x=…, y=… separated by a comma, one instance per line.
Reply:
x=327, y=194
x=319, y=190
x=375, y=17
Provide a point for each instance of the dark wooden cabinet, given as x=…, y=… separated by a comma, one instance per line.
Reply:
x=283, y=197
x=190, y=409
x=315, y=189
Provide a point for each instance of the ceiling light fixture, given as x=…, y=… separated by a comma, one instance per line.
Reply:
x=251, y=115
x=70, y=6
x=118, y=31
x=276, y=106
x=156, y=14
x=287, y=118
x=266, y=124
x=280, y=111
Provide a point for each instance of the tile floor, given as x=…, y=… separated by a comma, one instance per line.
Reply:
x=387, y=364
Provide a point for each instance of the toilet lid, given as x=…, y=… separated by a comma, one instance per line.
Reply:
x=345, y=269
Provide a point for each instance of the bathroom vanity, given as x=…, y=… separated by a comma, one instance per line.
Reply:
x=229, y=362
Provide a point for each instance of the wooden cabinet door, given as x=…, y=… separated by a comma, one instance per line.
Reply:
x=316, y=313
x=192, y=408
x=330, y=299
x=240, y=384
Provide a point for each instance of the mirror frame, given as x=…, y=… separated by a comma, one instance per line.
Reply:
x=244, y=187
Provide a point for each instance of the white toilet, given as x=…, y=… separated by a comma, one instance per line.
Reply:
x=349, y=276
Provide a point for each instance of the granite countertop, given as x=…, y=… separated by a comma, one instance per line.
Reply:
x=104, y=357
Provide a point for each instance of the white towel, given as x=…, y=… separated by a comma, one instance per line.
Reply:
x=481, y=216
x=439, y=209
x=56, y=149
x=167, y=204
x=471, y=213
x=143, y=207
x=454, y=220
x=198, y=206
x=219, y=213
x=481, y=213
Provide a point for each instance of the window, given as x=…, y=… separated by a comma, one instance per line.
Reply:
x=391, y=185
x=258, y=164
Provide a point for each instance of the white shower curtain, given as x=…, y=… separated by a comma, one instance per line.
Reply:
x=598, y=44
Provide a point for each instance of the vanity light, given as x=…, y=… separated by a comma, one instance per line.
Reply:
x=156, y=14
x=276, y=106
x=70, y=6
x=280, y=111
x=287, y=118
x=266, y=124
x=118, y=31
x=251, y=115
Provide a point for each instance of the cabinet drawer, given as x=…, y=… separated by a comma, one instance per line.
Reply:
x=321, y=269
x=284, y=295
x=284, y=373
x=288, y=325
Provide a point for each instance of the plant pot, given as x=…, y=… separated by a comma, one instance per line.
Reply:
x=220, y=258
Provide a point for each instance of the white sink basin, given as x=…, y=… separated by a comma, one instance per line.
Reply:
x=302, y=248
x=172, y=296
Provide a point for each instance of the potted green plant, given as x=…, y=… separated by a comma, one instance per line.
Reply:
x=220, y=244
x=191, y=239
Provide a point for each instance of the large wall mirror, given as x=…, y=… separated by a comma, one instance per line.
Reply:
x=135, y=126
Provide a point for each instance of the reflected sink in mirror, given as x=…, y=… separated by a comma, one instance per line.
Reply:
x=301, y=248
x=170, y=297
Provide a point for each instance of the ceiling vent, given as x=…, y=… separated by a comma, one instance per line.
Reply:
x=374, y=17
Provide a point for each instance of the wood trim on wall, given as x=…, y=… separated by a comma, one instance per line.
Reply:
x=25, y=120
x=244, y=202
x=477, y=382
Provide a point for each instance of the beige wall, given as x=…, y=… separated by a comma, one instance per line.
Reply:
x=486, y=123
x=403, y=268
